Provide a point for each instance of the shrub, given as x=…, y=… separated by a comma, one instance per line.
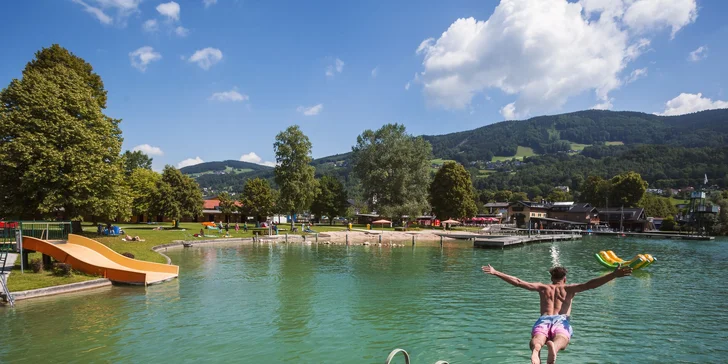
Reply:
x=36, y=265
x=128, y=255
x=62, y=269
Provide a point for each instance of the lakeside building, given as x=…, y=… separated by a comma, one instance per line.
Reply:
x=628, y=219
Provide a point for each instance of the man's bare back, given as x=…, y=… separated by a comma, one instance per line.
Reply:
x=553, y=328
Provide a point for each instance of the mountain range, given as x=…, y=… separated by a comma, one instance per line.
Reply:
x=542, y=152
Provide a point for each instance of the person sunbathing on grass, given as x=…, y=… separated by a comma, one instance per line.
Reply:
x=552, y=328
x=136, y=238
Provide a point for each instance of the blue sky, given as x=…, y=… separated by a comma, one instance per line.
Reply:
x=219, y=79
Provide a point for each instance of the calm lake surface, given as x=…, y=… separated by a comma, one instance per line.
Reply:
x=333, y=304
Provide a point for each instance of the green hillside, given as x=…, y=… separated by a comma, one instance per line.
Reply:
x=553, y=150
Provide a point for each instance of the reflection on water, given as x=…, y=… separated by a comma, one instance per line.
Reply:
x=338, y=304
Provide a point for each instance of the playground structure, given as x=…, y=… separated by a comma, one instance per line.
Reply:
x=610, y=260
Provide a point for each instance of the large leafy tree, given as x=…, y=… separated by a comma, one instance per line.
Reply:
x=627, y=189
x=142, y=186
x=330, y=199
x=293, y=172
x=559, y=195
x=657, y=206
x=518, y=196
x=503, y=196
x=57, y=148
x=451, y=192
x=258, y=199
x=177, y=196
x=134, y=160
x=394, y=169
x=595, y=190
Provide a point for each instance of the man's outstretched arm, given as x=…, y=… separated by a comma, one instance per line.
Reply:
x=512, y=280
x=597, y=282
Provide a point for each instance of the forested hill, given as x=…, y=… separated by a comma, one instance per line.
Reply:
x=224, y=166
x=546, y=151
x=556, y=133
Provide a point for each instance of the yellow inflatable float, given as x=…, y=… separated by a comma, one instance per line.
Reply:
x=610, y=260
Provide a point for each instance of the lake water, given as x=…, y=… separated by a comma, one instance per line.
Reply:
x=333, y=304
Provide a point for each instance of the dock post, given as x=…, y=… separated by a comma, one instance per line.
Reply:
x=347, y=239
x=286, y=237
x=316, y=237
x=380, y=239
x=440, y=241
x=413, y=240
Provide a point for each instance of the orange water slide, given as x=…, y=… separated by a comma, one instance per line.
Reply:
x=91, y=257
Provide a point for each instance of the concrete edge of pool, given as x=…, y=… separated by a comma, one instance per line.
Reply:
x=64, y=288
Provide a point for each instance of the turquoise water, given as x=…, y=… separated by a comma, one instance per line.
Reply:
x=333, y=304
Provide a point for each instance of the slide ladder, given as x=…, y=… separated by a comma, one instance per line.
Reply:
x=4, y=250
x=406, y=357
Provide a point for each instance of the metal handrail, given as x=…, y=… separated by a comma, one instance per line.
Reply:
x=406, y=357
x=394, y=353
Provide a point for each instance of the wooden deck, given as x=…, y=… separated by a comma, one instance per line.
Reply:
x=500, y=242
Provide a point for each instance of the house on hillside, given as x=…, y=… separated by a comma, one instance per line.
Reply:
x=630, y=219
x=524, y=211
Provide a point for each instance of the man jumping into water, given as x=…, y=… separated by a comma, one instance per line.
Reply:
x=552, y=328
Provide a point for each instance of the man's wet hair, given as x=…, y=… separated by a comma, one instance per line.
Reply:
x=557, y=273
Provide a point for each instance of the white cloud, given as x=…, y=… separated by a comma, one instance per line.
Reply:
x=181, y=31
x=542, y=51
x=688, y=103
x=170, y=10
x=231, y=95
x=647, y=15
x=206, y=58
x=509, y=111
x=636, y=74
x=100, y=9
x=375, y=72
x=254, y=158
x=190, y=162
x=141, y=57
x=336, y=67
x=698, y=54
x=606, y=105
x=150, y=25
x=407, y=86
x=97, y=12
x=209, y=2
x=148, y=149
x=311, y=110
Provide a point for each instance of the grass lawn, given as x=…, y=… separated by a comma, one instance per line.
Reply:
x=579, y=147
x=675, y=201
x=614, y=143
x=24, y=281
x=485, y=172
x=521, y=153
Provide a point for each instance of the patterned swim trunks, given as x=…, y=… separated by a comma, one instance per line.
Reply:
x=553, y=325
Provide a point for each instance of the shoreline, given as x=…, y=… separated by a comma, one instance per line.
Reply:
x=355, y=238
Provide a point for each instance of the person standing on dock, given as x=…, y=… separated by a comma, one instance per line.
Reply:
x=552, y=328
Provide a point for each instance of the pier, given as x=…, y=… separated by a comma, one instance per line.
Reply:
x=501, y=242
